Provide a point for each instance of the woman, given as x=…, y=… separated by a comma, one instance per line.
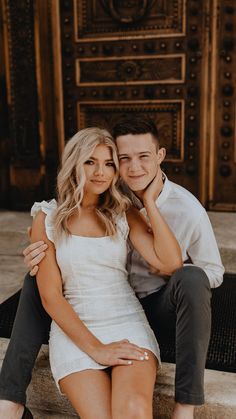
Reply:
x=103, y=353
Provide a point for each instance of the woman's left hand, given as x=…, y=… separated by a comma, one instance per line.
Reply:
x=154, y=188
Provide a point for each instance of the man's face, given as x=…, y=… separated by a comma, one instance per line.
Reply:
x=139, y=158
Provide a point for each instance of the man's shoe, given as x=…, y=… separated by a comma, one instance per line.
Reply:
x=27, y=414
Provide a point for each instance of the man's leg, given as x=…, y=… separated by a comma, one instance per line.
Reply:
x=186, y=299
x=30, y=330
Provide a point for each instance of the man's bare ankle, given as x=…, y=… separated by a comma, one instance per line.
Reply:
x=10, y=410
x=183, y=411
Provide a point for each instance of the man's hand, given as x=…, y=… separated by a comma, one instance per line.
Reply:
x=33, y=254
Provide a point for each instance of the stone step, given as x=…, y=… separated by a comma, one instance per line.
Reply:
x=13, y=239
x=13, y=228
x=224, y=226
x=11, y=275
x=45, y=401
x=44, y=414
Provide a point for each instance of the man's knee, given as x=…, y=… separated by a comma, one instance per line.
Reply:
x=191, y=282
x=30, y=301
x=29, y=289
x=191, y=276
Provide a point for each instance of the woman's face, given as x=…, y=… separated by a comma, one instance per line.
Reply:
x=99, y=170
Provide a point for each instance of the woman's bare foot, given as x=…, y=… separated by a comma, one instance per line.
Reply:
x=183, y=411
x=10, y=410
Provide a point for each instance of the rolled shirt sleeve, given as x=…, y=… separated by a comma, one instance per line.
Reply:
x=203, y=251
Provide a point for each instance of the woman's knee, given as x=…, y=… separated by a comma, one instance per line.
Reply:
x=135, y=406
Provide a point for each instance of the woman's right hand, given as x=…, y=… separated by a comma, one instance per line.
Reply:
x=33, y=254
x=118, y=353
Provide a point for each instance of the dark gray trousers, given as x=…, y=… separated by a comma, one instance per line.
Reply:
x=183, y=307
x=184, y=303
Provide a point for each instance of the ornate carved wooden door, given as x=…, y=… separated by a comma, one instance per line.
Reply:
x=151, y=58
x=172, y=60
x=136, y=57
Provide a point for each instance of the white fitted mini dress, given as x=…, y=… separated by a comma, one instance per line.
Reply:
x=95, y=283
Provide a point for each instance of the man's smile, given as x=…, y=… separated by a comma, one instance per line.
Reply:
x=136, y=177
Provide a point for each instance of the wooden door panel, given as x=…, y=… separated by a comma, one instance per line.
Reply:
x=110, y=18
x=152, y=70
x=168, y=117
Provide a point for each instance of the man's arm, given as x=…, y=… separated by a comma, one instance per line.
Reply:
x=203, y=251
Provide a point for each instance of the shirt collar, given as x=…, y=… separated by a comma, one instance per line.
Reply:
x=165, y=191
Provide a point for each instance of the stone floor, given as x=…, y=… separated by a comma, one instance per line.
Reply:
x=45, y=401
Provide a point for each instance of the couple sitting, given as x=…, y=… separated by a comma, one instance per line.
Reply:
x=101, y=343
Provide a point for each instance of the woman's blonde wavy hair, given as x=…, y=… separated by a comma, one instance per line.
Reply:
x=71, y=180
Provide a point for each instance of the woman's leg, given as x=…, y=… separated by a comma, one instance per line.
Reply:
x=89, y=392
x=132, y=389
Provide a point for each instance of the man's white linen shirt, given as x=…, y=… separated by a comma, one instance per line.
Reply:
x=192, y=228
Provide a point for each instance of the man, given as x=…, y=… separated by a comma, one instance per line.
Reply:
x=182, y=300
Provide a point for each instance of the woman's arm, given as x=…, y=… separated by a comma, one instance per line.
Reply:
x=158, y=247
x=50, y=288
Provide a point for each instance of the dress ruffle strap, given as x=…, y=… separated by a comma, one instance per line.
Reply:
x=48, y=208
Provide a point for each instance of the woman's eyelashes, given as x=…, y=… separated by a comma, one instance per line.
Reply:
x=111, y=164
x=108, y=163
x=89, y=162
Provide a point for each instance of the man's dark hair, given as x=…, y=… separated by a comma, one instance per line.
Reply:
x=135, y=125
